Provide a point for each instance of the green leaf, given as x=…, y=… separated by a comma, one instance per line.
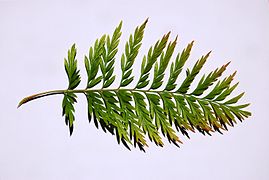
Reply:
x=109, y=82
x=131, y=51
x=95, y=82
x=190, y=76
x=226, y=93
x=108, y=58
x=69, y=99
x=176, y=67
x=127, y=81
x=70, y=65
x=152, y=57
x=93, y=61
x=145, y=120
x=131, y=114
x=205, y=83
x=235, y=99
x=161, y=120
x=69, y=110
x=164, y=60
x=220, y=87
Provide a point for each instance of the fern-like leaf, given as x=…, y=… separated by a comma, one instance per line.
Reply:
x=133, y=114
x=131, y=51
x=69, y=99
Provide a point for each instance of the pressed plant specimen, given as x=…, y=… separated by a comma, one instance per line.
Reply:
x=151, y=106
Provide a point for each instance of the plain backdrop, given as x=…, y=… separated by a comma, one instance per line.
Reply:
x=34, y=39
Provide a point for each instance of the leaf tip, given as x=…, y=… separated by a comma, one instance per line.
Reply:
x=176, y=39
x=146, y=20
x=73, y=46
x=234, y=73
x=168, y=34
x=227, y=64
x=178, y=140
x=71, y=128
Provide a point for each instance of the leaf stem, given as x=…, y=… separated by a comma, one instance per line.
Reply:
x=54, y=92
x=84, y=91
x=47, y=93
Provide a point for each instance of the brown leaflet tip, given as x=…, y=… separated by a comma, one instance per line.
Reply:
x=178, y=140
x=147, y=20
x=227, y=64
x=176, y=38
x=207, y=128
x=167, y=35
x=234, y=73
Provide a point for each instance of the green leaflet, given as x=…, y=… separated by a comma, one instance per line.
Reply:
x=176, y=67
x=135, y=114
x=108, y=57
x=164, y=60
x=131, y=51
x=69, y=99
x=93, y=61
x=149, y=61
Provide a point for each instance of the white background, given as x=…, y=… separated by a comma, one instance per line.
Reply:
x=34, y=38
